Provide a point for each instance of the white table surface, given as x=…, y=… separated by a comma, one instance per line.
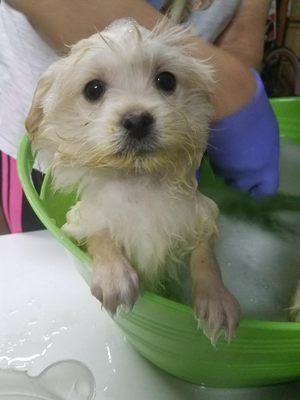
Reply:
x=48, y=316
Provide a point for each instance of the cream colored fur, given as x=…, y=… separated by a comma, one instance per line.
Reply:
x=135, y=210
x=147, y=218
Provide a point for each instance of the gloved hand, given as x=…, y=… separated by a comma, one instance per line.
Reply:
x=244, y=147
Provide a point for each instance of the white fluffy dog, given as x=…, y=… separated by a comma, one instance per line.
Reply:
x=124, y=120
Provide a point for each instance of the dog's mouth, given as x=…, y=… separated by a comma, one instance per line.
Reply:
x=139, y=148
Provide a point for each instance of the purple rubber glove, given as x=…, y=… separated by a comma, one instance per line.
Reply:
x=244, y=147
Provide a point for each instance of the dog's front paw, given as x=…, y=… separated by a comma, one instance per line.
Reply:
x=216, y=310
x=295, y=305
x=115, y=285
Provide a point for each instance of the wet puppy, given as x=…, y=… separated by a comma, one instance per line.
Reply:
x=124, y=120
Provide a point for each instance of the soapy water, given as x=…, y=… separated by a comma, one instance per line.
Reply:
x=65, y=380
x=259, y=251
x=258, y=248
x=259, y=267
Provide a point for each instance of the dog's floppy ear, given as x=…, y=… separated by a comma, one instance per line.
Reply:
x=36, y=112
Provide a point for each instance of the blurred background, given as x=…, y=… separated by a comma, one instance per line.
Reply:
x=281, y=71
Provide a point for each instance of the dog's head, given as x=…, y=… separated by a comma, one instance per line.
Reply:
x=125, y=98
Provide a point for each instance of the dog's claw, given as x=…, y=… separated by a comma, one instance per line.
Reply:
x=115, y=285
x=216, y=310
x=294, y=310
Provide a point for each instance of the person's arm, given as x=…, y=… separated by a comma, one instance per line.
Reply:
x=62, y=22
x=65, y=22
x=244, y=37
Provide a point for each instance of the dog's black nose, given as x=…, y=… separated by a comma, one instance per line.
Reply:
x=138, y=125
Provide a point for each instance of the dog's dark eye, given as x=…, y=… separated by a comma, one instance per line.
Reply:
x=165, y=81
x=94, y=90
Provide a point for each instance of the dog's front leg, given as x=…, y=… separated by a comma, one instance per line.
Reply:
x=295, y=305
x=114, y=282
x=215, y=308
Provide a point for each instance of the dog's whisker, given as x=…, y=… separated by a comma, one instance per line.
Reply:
x=108, y=43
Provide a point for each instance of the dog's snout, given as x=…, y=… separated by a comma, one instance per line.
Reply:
x=138, y=125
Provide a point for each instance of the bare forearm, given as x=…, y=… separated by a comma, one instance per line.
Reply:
x=235, y=83
x=62, y=22
x=65, y=22
x=244, y=38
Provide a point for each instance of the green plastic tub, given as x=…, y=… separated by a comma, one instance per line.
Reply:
x=164, y=331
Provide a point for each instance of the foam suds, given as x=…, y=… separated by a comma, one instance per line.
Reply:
x=259, y=246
